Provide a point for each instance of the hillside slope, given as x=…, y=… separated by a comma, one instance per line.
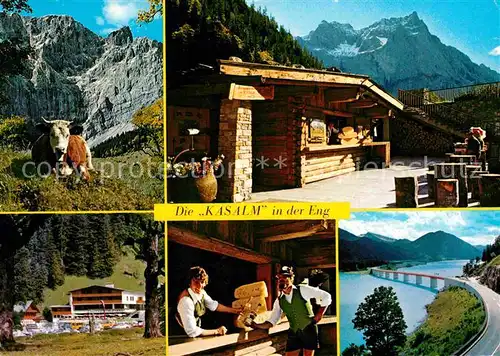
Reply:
x=202, y=31
x=128, y=274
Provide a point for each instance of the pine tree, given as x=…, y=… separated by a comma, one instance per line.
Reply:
x=21, y=283
x=79, y=246
x=39, y=267
x=381, y=320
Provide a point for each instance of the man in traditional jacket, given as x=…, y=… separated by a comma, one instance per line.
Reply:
x=295, y=303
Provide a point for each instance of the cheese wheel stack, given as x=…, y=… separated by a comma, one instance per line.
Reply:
x=251, y=297
x=348, y=136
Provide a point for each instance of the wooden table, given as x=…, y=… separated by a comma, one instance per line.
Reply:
x=228, y=344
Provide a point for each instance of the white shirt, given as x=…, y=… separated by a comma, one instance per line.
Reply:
x=185, y=308
x=323, y=298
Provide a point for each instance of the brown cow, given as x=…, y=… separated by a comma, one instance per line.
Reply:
x=75, y=158
x=59, y=150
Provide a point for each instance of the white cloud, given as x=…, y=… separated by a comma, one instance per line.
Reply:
x=395, y=229
x=493, y=229
x=100, y=21
x=495, y=51
x=108, y=30
x=120, y=12
x=478, y=240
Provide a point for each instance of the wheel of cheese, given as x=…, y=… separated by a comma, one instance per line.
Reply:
x=260, y=318
x=257, y=289
x=350, y=141
x=255, y=304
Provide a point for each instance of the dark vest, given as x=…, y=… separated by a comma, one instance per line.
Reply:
x=299, y=312
x=199, y=310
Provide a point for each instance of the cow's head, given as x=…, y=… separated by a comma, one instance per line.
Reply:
x=59, y=132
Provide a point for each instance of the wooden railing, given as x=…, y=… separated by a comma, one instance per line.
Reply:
x=440, y=112
x=488, y=90
x=97, y=302
x=87, y=295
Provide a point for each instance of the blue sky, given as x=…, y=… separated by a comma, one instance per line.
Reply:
x=102, y=16
x=472, y=26
x=474, y=226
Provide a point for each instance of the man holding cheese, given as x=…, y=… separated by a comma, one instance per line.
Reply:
x=295, y=303
x=194, y=302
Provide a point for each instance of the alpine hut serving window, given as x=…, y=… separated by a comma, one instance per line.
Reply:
x=317, y=131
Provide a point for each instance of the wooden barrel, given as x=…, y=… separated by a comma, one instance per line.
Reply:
x=406, y=192
x=447, y=193
x=431, y=185
x=490, y=190
x=454, y=171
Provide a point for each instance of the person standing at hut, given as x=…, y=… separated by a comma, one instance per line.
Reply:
x=193, y=303
x=332, y=134
x=475, y=145
x=295, y=303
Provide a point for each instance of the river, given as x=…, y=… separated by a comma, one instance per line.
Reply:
x=355, y=287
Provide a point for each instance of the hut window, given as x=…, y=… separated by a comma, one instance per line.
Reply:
x=333, y=128
x=317, y=130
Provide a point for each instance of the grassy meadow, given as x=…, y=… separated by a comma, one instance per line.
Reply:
x=453, y=318
x=128, y=182
x=128, y=342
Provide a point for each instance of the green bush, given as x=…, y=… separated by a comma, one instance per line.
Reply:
x=14, y=133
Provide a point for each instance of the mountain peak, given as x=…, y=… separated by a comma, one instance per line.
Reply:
x=120, y=37
x=398, y=52
x=413, y=16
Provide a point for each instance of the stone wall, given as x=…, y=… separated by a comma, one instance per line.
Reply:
x=235, y=143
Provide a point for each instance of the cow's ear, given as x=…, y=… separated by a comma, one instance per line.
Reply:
x=43, y=128
x=76, y=129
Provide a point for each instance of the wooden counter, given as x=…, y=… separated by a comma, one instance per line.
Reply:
x=321, y=148
x=272, y=340
x=327, y=161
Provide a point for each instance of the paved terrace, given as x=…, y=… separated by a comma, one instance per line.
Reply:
x=372, y=188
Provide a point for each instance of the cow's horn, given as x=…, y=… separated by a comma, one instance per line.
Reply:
x=46, y=121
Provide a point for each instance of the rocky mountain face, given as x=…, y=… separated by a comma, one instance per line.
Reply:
x=396, y=53
x=75, y=74
x=491, y=278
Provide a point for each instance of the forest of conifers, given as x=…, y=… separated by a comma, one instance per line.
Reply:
x=202, y=31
